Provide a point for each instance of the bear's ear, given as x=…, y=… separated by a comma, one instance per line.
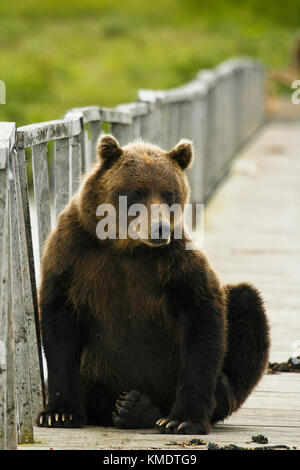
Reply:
x=182, y=153
x=108, y=148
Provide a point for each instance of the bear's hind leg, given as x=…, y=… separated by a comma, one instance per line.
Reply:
x=99, y=403
x=135, y=411
x=247, y=349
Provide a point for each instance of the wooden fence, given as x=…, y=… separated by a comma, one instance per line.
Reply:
x=219, y=110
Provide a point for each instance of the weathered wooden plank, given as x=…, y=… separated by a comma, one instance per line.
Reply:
x=3, y=209
x=225, y=119
x=81, y=142
x=7, y=432
x=76, y=164
x=151, y=125
x=135, y=109
x=95, y=113
x=39, y=133
x=280, y=400
x=22, y=368
x=175, y=95
x=41, y=192
x=84, y=150
x=124, y=133
x=7, y=139
x=253, y=97
x=164, y=125
x=129, y=132
x=267, y=417
x=137, y=127
x=197, y=132
x=89, y=113
x=29, y=288
x=95, y=130
x=289, y=383
x=257, y=104
x=11, y=415
x=208, y=78
x=11, y=401
x=259, y=110
x=3, y=303
x=115, y=116
x=61, y=174
x=240, y=115
x=174, y=125
x=186, y=132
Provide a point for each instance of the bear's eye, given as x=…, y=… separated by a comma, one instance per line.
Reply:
x=169, y=196
x=138, y=193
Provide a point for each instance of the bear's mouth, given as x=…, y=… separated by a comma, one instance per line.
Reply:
x=157, y=243
x=160, y=234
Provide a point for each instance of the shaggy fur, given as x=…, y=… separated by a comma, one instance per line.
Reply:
x=136, y=333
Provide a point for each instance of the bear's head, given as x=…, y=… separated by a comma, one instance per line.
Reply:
x=135, y=194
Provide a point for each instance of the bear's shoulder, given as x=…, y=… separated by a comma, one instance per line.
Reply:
x=67, y=242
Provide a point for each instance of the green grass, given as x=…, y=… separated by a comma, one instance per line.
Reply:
x=56, y=55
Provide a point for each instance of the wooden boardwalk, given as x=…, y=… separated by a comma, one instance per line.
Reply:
x=252, y=233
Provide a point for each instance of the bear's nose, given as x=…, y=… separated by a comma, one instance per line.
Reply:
x=160, y=232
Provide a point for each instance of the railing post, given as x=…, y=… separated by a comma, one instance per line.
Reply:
x=91, y=117
x=126, y=132
x=22, y=367
x=3, y=291
x=8, y=429
x=29, y=287
x=198, y=93
x=21, y=359
x=156, y=123
x=208, y=77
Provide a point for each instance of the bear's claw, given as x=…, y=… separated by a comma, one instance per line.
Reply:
x=174, y=426
x=59, y=419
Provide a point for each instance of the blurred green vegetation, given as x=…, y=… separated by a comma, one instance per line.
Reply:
x=58, y=54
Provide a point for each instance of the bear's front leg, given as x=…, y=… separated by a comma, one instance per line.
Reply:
x=201, y=317
x=62, y=335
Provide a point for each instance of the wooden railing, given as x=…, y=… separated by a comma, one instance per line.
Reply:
x=219, y=110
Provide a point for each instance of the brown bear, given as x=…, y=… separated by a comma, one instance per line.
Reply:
x=138, y=331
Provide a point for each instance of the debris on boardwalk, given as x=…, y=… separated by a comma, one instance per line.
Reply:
x=192, y=442
x=292, y=365
x=260, y=439
x=214, y=446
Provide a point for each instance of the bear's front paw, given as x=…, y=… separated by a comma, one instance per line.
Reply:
x=59, y=419
x=175, y=426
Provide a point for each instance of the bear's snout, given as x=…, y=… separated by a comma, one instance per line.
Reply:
x=160, y=233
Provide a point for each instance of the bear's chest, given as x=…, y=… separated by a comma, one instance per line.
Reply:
x=117, y=290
